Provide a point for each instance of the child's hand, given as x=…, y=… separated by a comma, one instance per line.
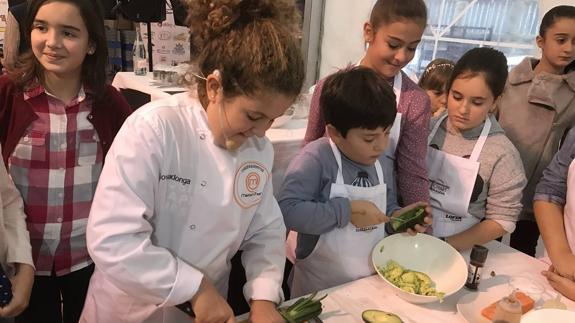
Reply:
x=563, y=285
x=265, y=312
x=209, y=306
x=21, y=289
x=418, y=227
x=366, y=214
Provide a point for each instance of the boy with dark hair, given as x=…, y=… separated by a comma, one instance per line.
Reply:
x=334, y=194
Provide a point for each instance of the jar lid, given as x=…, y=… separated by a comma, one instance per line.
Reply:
x=479, y=253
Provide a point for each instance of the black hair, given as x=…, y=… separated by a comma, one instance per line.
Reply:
x=551, y=17
x=357, y=97
x=486, y=61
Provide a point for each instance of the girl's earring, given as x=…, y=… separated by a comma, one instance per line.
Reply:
x=91, y=51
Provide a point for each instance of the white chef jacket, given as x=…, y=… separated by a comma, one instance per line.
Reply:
x=171, y=207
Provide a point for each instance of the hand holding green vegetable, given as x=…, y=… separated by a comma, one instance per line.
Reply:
x=366, y=214
x=413, y=218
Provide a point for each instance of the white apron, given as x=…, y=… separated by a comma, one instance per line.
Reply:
x=291, y=241
x=221, y=210
x=568, y=212
x=451, y=182
x=395, y=129
x=342, y=255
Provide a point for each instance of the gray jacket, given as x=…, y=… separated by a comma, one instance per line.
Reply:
x=535, y=112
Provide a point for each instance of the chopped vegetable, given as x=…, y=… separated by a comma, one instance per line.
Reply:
x=408, y=219
x=376, y=316
x=410, y=281
x=305, y=308
x=381, y=249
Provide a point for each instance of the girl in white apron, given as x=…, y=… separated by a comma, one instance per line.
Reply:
x=554, y=205
x=475, y=173
x=333, y=181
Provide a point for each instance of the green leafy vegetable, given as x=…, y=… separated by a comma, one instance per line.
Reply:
x=305, y=308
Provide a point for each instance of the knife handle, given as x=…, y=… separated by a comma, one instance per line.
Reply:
x=187, y=308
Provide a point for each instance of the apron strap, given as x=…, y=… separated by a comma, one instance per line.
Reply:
x=337, y=155
x=481, y=141
x=434, y=130
x=397, y=83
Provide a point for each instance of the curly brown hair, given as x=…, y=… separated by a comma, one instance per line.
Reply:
x=252, y=42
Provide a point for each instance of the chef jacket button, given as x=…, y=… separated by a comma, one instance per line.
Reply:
x=202, y=136
x=204, y=183
x=193, y=227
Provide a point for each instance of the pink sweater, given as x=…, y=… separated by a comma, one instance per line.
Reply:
x=410, y=156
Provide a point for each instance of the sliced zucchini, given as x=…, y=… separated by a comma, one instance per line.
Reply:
x=408, y=219
x=376, y=316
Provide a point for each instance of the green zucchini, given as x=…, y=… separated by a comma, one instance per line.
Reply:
x=408, y=219
x=376, y=316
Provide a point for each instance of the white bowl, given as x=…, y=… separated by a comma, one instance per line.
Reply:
x=549, y=315
x=426, y=254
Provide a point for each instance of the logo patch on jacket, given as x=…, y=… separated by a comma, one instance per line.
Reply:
x=251, y=178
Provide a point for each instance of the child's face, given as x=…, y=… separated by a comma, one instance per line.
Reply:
x=391, y=46
x=558, y=46
x=238, y=118
x=361, y=145
x=469, y=101
x=438, y=99
x=59, y=39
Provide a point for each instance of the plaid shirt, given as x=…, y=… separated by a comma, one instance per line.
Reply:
x=56, y=166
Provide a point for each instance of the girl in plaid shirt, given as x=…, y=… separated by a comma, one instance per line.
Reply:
x=57, y=120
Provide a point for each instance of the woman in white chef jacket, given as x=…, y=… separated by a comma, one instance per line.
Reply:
x=554, y=205
x=476, y=175
x=187, y=181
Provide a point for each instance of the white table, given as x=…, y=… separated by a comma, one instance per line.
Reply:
x=345, y=303
x=286, y=140
x=144, y=84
